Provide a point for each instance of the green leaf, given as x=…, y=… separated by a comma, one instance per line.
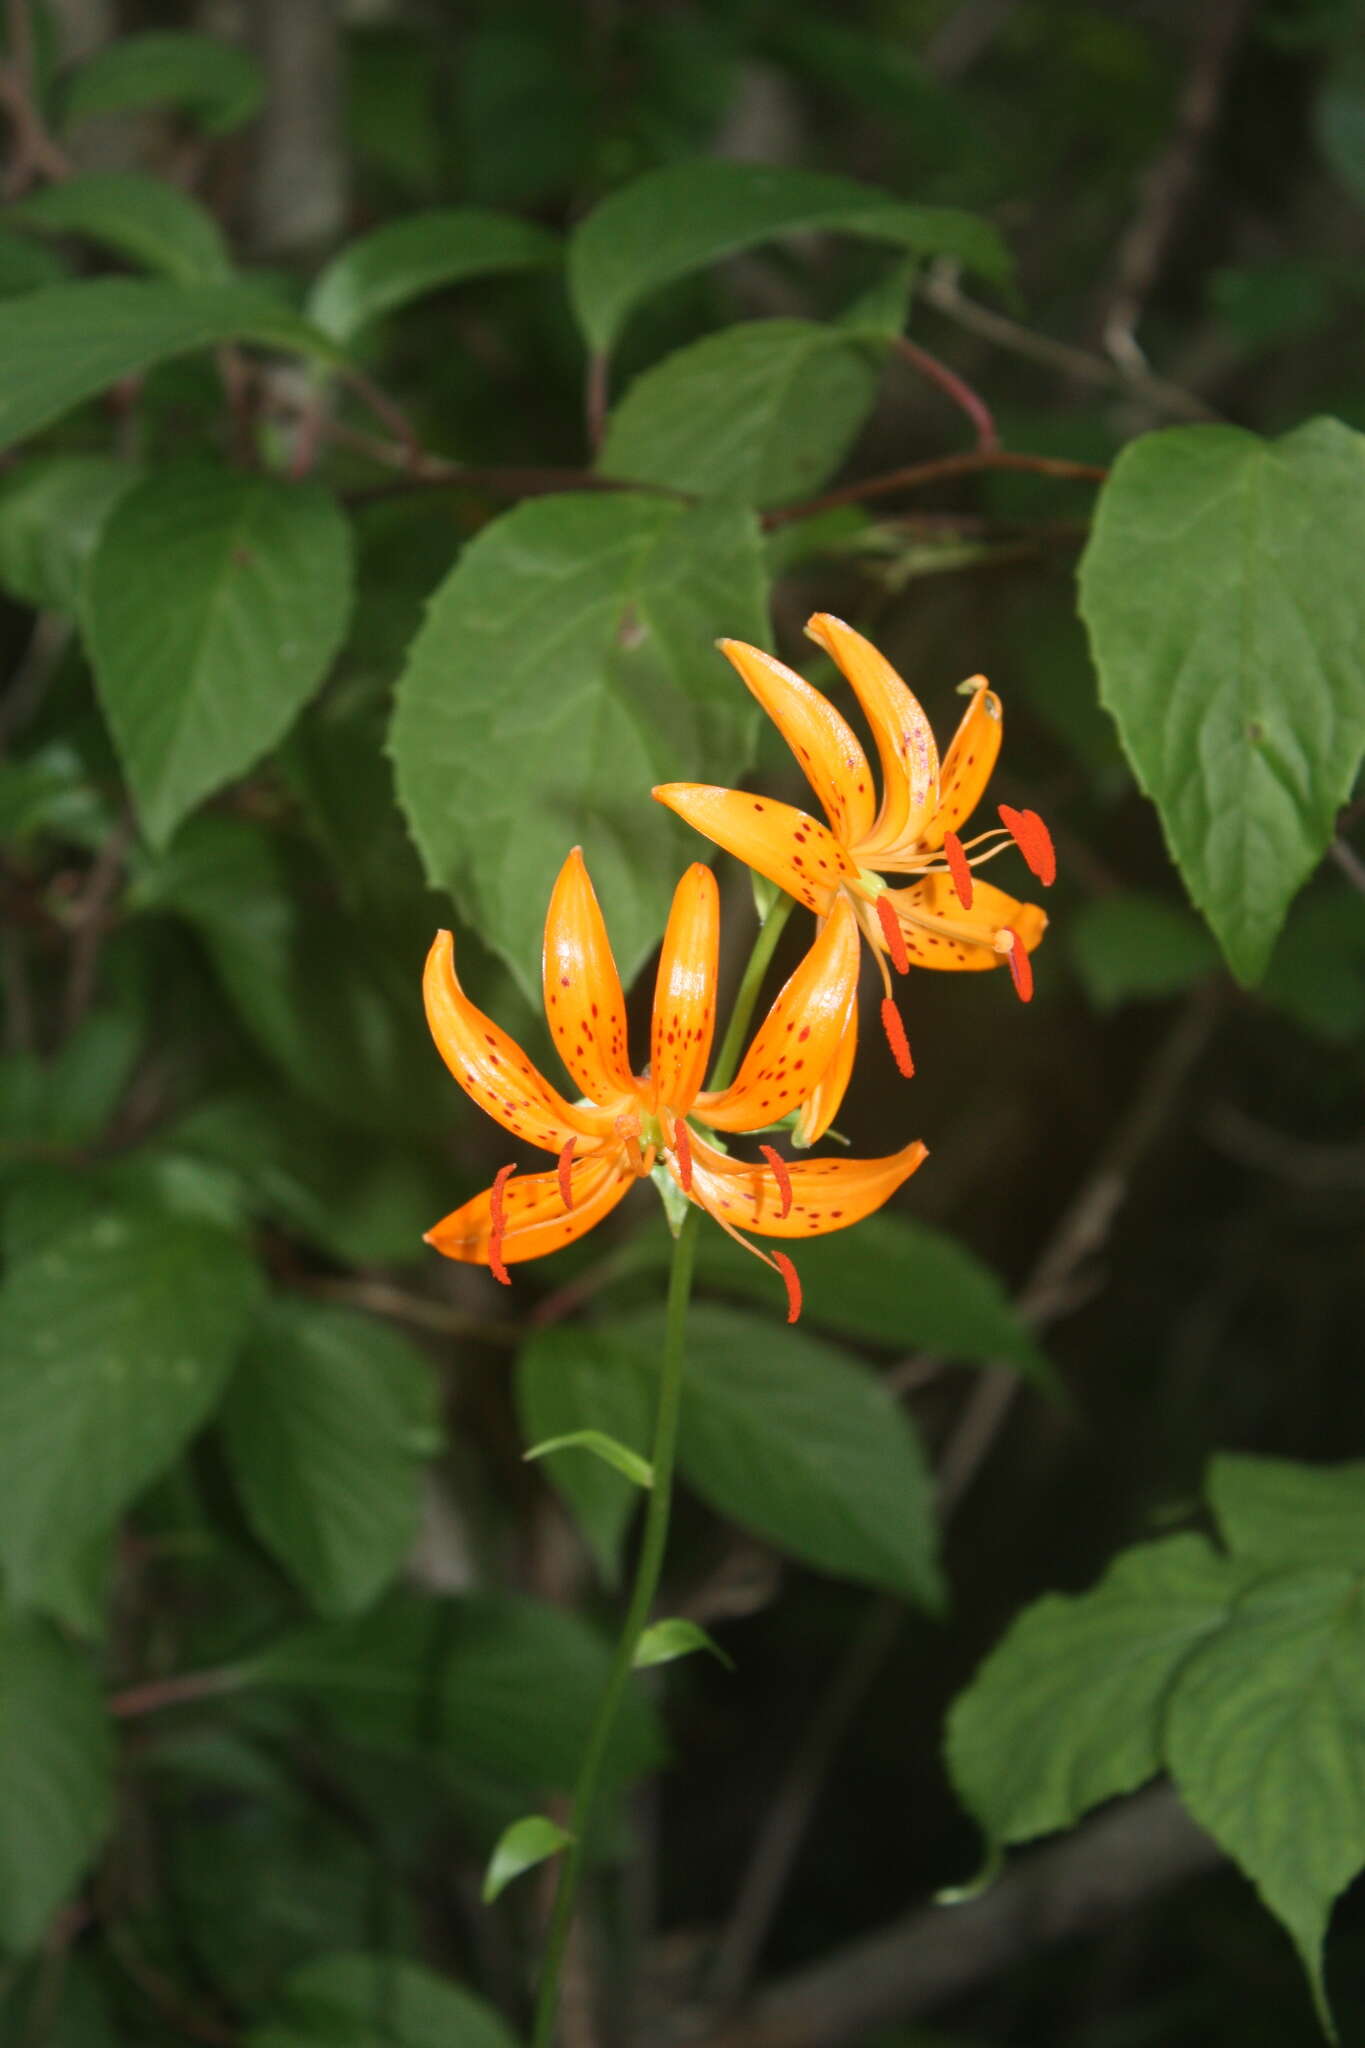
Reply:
x=1286, y=1513
x=1129, y=947
x=26, y=266
x=197, y=692
x=790, y=1438
x=636, y=1469
x=1317, y=971
x=1226, y=616
x=520, y=1848
x=66, y=344
x=665, y=1640
x=116, y=1340
x=358, y=2001
x=892, y=1281
x=421, y=253
x=143, y=218
x=327, y=1422
x=1339, y=120
x=762, y=411
x=1069, y=1709
x=219, y=85
x=587, y=620
x=571, y=1377
x=52, y=512
x=1265, y=1741
x=676, y=219
x=497, y=1685
x=56, y=1790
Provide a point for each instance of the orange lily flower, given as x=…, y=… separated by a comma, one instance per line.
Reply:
x=629, y=1125
x=945, y=917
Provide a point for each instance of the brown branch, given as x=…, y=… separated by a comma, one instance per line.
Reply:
x=1350, y=863
x=596, y=398
x=36, y=153
x=933, y=472
x=1143, y=246
x=443, y=1319
x=954, y=387
x=182, y=1689
x=1111, y=1864
x=89, y=922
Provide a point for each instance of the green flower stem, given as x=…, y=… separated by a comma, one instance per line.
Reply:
x=650, y=1562
x=637, y=1614
x=769, y=932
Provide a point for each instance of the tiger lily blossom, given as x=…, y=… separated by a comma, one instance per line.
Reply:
x=944, y=917
x=626, y=1125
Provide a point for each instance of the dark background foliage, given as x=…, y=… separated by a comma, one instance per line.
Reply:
x=224, y=1128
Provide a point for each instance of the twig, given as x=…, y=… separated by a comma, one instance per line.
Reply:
x=942, y=291
x=1083, y=1228
x=933, y=472
x=165, y=1996
x=952, y=386
x=1143, y=246
x=89, y=920
x=1108, y=1866
x=1314, y=1167
x=595, y=398
x=1350, y=863
x=36, y=153
x=443, y=1319
x=182, y=1689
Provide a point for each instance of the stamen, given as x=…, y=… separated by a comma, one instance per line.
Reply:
x=1033, y=840
x=896, y=1038
x=682, y=1152
x=781, y=1176
x=627, y=1129
x=894, y=936
x=1021, y=968
x=497, y=1219
x=793, y=1283
x=565, y=1172
x=958, y=868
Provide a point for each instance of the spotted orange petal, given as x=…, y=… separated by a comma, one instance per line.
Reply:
x=490, y=1066
x=536, y=1218
x=685, y=992
x=905, y=739
x=788, y=846
x=826, y=1194
x=940, y=933
x=800, y=1037
x=822, y=1104
x=583, y=1000
x=823, y=742
x=967, y=765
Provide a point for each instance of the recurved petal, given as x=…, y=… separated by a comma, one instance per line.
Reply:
x=940, y=933
x=583, y=999
x=800, y=1037
x=826, y=1194
x=685, y=992
x=822, y=1105
x=967, y=766
x=536, y=1218
x=490, y=1066
x=904, y=737
x=823, y=742
x=788, y=846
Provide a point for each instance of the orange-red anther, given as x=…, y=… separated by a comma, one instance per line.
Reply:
x=566, y=1172
x=958, y=868
x=792, y=1280
x=497, y=1216
x=894, y=936
x=896, y=1038
x=780, y=1175
x=1033, y=840
x=1021, y=969
x=682, y=1152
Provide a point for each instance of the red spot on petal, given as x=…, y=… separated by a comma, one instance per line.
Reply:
x=1033, y=840
x=497, y=1216
x=958, y=868
x=894, y=936
x=565, y=1172
x=896, y=1038
x=1021, y=968
x=781, y=1176
x=792, y=1280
